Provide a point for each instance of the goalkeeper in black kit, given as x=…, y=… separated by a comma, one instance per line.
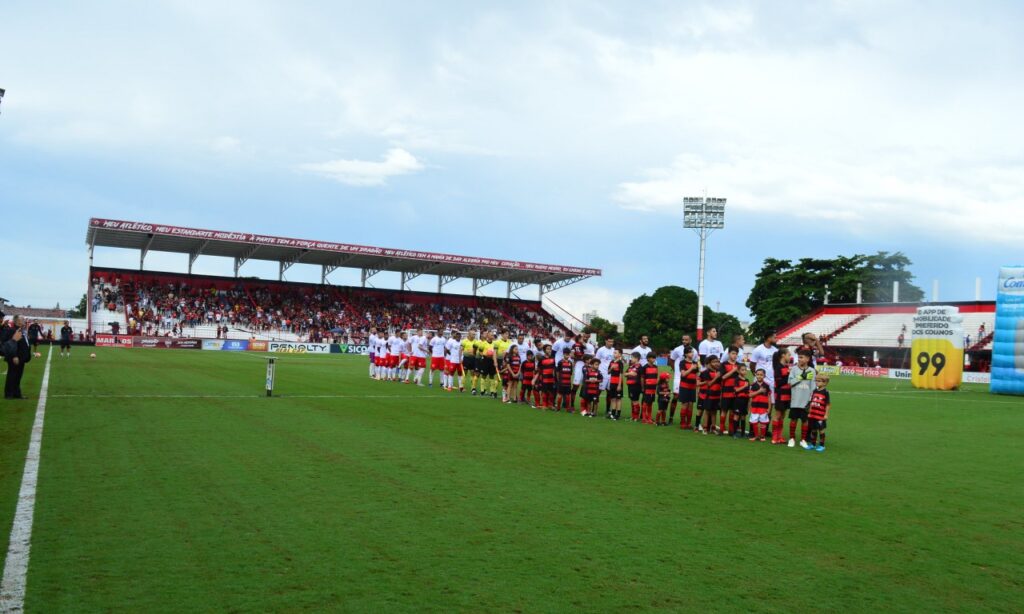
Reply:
x=65, y=339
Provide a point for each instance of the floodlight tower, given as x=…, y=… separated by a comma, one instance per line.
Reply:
x=704, y=215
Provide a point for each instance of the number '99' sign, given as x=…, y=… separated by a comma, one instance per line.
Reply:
x=936, y=349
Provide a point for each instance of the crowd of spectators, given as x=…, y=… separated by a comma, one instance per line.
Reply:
x=174, y=307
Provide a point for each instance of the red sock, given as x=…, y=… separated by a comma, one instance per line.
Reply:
x=792, y=429
x=721, y=422
x=803, y=430
x=762, y=429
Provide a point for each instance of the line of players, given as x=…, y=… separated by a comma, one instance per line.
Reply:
x=713, y=380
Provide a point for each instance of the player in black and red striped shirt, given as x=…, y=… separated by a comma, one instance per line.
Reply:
x=783, y=393
x=741, y=404
x=513, y=371
x=760, y=405
x=633, y=384
x=821, y=405
x=529, y=372
x=664, y=396
x=730, y=370
x=563, y=372
x=616, y=372
x=546, y=378
x=649, y=384
x=710, y=392
x=591, y=388
x=688, y=388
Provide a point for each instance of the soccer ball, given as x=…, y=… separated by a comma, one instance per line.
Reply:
x=93, y=355
x=37, y=355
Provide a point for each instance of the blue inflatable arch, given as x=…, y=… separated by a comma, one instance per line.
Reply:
x=1008, y=343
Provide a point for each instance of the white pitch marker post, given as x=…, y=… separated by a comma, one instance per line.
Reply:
x=270, y=377
x=12, y=591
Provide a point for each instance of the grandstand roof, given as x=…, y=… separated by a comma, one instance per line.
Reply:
x=243, y=246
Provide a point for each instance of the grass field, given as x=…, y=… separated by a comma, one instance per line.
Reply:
x=169, y=483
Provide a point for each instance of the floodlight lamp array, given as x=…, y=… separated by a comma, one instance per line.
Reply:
x=703, y=212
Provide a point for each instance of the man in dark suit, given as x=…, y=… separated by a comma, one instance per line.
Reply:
x=17, y=354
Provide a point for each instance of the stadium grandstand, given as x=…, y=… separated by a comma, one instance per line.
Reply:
x=859, y=333
x=144, y=302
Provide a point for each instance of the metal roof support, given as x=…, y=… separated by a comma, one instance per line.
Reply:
x=444, y=280
x=145, y=250
x=367, y=274
x=409, y=276
x=327, y=269
x=480, y=283
x=240, y=260
x=544, y=288
x=513, y=286
x=284, y=265
x=192, y=256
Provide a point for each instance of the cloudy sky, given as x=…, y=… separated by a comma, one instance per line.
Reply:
x=564, y=133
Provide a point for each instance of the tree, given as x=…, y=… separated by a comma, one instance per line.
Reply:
x=78, y=312
x=668, y=313
x=601, y=328
x=785, y=291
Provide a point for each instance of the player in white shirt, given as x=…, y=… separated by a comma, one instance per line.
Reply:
x=605, y=354
x=395, y=346
x=762, y=359
x=676, y=356
x=371, y=345
x=418, y=359
x=454, y=363
x=382, y=356
x=738, y=341
x=643, y=349
x=438, y=346
x=523, y=345
x=406, y=358
x=561, y=345
x=710, y=346
x=586, y=348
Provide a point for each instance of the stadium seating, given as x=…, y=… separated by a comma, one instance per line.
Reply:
x=879, y=326
x=821, y=324
x=166, y=303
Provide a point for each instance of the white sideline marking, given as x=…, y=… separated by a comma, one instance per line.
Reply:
x=12, y=591
x=245, y=396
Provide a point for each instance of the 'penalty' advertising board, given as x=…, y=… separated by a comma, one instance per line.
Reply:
x=937, y=349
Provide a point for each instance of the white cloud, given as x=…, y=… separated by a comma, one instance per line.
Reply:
x=396, y=161
x=874, y=195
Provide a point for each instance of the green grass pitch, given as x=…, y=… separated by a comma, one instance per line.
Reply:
x=168, y=482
